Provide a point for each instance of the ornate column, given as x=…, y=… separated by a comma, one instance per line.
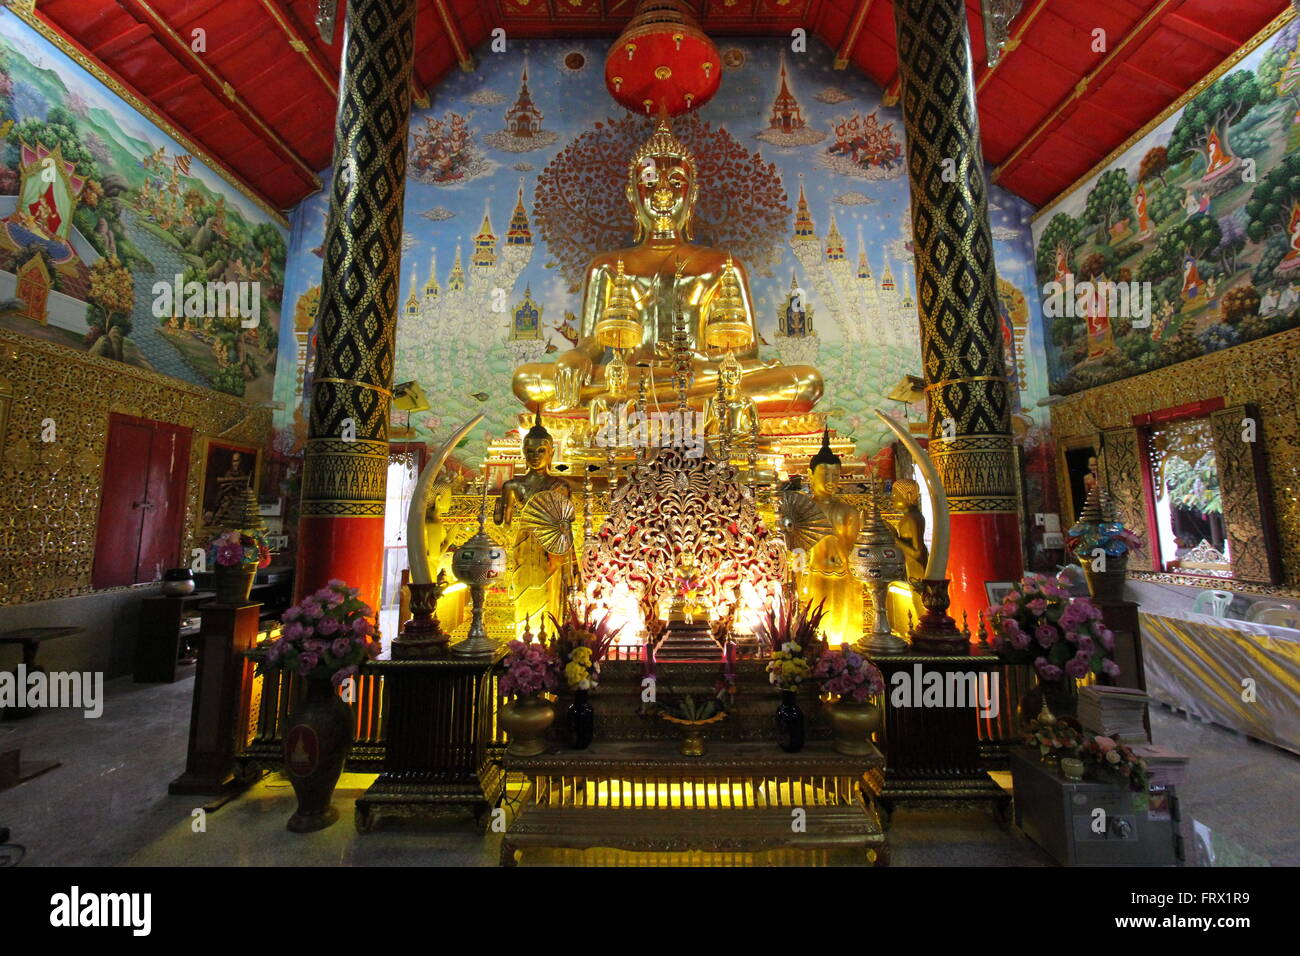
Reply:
x=961, y=342
x=341, y=533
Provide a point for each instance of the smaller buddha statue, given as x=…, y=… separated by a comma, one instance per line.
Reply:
x=536, y=582
x=730, y=413
x=686, y=587
x=608, y=407
x=828, y=576
x=909, y=532
x=435, y=529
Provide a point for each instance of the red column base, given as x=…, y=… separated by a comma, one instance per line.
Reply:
x=984, y=547
x=348, y=548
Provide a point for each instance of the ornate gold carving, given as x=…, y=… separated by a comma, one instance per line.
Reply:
x=1265, y=372
x=50, y=510
x=978, y=472
x=344, y=478
x=1121, y=458
x=1242, y=520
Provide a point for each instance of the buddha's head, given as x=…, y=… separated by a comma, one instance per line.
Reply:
x=662, y=186
x=538, y=446
x=824, y=468
x=906, y=494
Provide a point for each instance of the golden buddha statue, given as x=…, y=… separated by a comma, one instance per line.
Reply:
x=685, y=608
x=605, y=409
x=632, y=295
x=536, y=583
x=909, y=532
x=728, y=412
x=827, y=575
x=435, y=529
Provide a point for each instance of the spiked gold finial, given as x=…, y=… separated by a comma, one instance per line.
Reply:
x=728, y=323
x=619, y=326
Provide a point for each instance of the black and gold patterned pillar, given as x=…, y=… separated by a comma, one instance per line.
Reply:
x=961, y=341
x=345, y=471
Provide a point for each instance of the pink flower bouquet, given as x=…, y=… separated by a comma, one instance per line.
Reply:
x=848, y=675
x=529, y=669
x=328, y=634
x=232, y=549
x=1040, y=623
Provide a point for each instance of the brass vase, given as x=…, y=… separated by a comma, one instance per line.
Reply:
x=234, y=583
x=1108, y=585
x=853, y=722
x=525, y=721
x=1060, y=696
x=316, y=743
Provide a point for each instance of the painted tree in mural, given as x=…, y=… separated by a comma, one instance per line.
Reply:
x=1058, y=240
x=581, y=207
x=1270, y=206
x=1154, y=164
x=1208, y=118
x=1110, y=200
x=1279, y=70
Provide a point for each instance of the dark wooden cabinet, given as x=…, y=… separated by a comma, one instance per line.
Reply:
x=163, y=635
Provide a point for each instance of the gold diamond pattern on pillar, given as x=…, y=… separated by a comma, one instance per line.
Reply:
x=347, y=449
x=961, y=341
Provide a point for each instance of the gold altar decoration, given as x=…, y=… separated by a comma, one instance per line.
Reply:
x=673, y=505
x=827, y=577
x=619, y=326
x=61, y=480
x=549, y=516
x=803, y=524
x=728, y=325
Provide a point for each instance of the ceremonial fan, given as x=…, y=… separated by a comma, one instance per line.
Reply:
x=803, y=523
x=549, y=515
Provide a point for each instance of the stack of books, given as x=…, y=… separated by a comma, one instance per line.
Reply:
x=1165, y=767
x=1114, y=712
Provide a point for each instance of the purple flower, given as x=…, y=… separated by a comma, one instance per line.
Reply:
x=328, y=626
x=315, y=645
x=292, y=614
x=1107, y=638
x=307, y=663
x=1045, y=634
x=1110, y=668
x=341, y=647
x=361, y=626
x=1038, y=606
x=1086, y=646
x=1047, y=670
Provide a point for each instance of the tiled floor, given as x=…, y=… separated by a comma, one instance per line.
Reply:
x=108, y=804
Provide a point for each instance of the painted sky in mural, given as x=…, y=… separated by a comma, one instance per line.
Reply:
x=1203, y=212
x=552, y=187
x=97, y=205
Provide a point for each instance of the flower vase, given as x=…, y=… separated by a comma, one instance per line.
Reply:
x=789, y=723
x=316, y=743
x=525, y=721
x=1108, y=585
x=853, y=722
x=234, y=583
x=582, y=720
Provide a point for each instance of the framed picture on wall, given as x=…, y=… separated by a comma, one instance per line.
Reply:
x=1082, y=473
x=227, y=469
x=997, y=590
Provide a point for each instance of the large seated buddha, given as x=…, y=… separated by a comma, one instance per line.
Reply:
x=664, y=272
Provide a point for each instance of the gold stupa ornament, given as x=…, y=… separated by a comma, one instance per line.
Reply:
x=728, y=323
x=239, y=510
x=620, y=325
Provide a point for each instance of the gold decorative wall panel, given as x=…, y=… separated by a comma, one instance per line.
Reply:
x=1121, y=455
x=1242, y=517
x=50, y=503
x=1264, y=373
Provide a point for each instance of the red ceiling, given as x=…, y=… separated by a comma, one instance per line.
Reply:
x=261, y=97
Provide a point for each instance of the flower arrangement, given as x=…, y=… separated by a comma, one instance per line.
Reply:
x=235, y=548
x=329, y=633
x=582, y=640
x=1057, y=736
x=848, y=675
x=788, y=667
x=528, y=670
x=689, y=709
x=1039, y=622
x=1116, y=760
x=1099, y=527
x=786, y=621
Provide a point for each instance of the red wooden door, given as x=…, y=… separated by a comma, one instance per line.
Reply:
x=142, y=501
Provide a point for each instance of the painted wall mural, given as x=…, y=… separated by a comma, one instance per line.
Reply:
x=98, y=206
x=1196, y=225
x=516, y=176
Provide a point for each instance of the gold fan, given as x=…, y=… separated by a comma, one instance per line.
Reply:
x=549, y=515
x=803, y=523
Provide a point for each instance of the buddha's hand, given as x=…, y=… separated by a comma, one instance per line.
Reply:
x=572, y=371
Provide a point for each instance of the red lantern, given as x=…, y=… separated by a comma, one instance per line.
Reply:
x=663, y=61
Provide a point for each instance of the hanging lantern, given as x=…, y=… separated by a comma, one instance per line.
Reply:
x=619, y=326
x=728, y=324
x=663, y=58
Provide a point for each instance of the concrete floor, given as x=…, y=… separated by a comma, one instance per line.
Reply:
x=107, y=804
